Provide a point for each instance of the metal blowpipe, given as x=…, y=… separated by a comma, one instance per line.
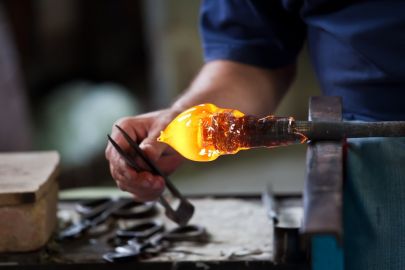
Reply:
x=205, y=132
x=317, y=131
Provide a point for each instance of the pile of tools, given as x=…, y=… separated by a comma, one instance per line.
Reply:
x=135, y=230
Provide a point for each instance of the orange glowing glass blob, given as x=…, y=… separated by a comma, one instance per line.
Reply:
x=204, y=132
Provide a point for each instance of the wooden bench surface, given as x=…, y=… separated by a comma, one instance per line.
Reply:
x=26, y=176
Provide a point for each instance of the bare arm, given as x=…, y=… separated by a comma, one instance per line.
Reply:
x=227, y=84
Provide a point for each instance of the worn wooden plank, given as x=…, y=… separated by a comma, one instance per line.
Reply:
x=28, y=226
x=25, y=177
x=28, y=199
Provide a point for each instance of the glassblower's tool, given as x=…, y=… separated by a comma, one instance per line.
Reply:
x=288, y=245
x=96, y=212
x=157, y=242
x=204, y=132
x=185, y=210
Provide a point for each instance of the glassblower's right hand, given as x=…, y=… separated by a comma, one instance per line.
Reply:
x=143, y=129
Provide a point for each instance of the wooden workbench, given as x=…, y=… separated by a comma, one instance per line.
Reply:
x=240, y=238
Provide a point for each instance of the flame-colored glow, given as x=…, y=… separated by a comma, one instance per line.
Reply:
x=186, y=132
x=204, y=132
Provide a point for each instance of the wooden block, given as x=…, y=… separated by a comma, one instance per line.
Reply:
x=28, y=199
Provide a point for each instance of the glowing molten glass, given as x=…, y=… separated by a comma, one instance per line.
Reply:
x=204, y=132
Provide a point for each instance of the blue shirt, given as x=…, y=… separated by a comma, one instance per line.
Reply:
x=357, y=47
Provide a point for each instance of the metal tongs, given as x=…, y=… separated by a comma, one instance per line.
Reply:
x=185, y=210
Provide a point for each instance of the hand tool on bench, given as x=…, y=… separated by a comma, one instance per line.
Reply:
x=185, y=210
x=130, y=209
x=96, y=212
x=155, y=242
x=288, y=247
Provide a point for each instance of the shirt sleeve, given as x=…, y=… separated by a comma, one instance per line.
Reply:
x=262, y=33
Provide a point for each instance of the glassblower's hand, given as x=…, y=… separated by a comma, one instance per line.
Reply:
x=145, y=129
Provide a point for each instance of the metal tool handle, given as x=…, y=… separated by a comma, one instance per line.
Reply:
x=340, y=130
x=185, y=210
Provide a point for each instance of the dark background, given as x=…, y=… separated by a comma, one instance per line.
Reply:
x=92, y=39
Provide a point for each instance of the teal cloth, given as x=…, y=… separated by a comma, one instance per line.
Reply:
x=374, y=204
x=327, y=253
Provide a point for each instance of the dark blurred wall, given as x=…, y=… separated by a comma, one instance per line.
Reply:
x=15, y=123
x=72, y=39
x=174, y=47
x=48, y=44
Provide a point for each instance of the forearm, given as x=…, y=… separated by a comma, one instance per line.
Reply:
x=228, y=84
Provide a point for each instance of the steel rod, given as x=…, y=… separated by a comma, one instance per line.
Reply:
x=341, y=130
x=285, y=131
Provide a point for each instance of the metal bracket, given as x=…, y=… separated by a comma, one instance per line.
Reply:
x=323, y=187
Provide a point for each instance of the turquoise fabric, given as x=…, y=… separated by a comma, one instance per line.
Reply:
x=327, y=253
x=374, y=204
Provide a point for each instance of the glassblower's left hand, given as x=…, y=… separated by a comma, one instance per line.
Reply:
x=145, y=129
